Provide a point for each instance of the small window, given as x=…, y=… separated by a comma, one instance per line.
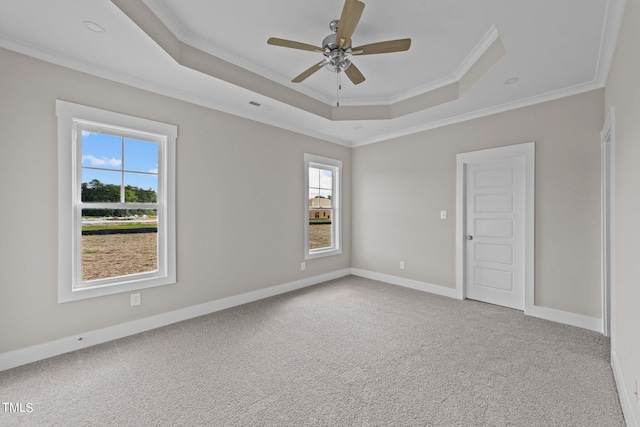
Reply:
x=322, y=206
x=116, y=202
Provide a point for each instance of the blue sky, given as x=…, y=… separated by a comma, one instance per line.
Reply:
x=105, y=152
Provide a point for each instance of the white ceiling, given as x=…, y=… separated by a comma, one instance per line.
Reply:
x=554, y=47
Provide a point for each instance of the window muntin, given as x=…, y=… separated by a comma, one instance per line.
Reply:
x=116, y=202
x=322, y=214
x=116, y=160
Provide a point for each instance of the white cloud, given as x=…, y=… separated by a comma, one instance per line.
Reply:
x=326, y=178
x=154, y=170
x=104, y=161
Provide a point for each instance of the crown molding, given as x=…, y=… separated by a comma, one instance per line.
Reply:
x=76, y=64
x=538, y=99
x=614, y=12
x=467, y=63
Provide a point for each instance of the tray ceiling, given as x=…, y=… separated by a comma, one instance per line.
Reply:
x=552, y=48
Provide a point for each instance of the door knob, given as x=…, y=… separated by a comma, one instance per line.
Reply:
x=469, y=237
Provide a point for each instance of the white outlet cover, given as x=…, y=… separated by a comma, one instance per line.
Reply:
x=135, y=299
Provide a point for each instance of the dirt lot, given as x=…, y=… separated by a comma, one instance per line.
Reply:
x=118, y=255
x=319, y=236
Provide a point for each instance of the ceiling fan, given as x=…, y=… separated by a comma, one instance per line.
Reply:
x=337, y=48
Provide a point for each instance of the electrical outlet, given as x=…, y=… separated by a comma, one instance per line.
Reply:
x=401, y=265
x=303, y=266
x=135, y=299
x=443, y=214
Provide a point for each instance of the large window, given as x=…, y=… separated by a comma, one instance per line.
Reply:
x=322, y=206
x=116, y=202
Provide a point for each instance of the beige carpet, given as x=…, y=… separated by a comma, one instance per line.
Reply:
x=351, y=352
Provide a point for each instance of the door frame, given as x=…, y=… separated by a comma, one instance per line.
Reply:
x=462, y=160
x=607, y=140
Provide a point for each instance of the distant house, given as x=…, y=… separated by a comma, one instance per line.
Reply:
x=315, y=208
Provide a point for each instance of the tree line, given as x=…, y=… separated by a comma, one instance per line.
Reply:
x=96, y=191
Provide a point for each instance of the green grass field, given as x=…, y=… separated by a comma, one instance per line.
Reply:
x=133, y=226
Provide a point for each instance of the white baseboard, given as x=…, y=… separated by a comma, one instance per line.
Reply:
x=407, y=283
x=565, y=317
x=627, y=409
x=572, y=319
x=12, y=359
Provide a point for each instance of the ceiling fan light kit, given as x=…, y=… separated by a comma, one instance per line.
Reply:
x=337, y=49
x=335, y=59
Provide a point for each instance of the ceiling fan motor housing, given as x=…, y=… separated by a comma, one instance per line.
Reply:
x=336, y=59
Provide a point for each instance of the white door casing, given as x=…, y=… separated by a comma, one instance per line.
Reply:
x=494, y=226
x=607, y=218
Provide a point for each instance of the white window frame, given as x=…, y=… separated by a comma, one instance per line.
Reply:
x=311, y=160
x=72, y=118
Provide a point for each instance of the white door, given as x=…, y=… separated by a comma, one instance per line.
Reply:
x=495, y=231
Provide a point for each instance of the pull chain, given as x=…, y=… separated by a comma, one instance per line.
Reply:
x=339, y=88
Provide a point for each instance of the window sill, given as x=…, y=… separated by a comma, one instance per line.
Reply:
x=81, y=293
x=322, y=253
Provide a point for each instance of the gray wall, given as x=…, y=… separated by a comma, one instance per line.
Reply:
x=623, y=92
x=228, y=168
x=401, y=185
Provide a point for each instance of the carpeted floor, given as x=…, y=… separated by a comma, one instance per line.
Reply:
x=350, y=352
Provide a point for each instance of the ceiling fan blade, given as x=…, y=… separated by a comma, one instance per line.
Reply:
x=308, y=72
x=349, y=19
x=293, y=45
x=354, y=74
x=382, y=47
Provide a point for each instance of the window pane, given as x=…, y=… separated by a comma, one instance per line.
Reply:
x=326, y=194
x=313, y=193
x=141, y=188
x=326, y=179
x=320, y=208
x=320, y=229
x=140, y=156
x=118, y=242
x=320, y=202
x=100, y=185
x=314, y=177
x=101, y=150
